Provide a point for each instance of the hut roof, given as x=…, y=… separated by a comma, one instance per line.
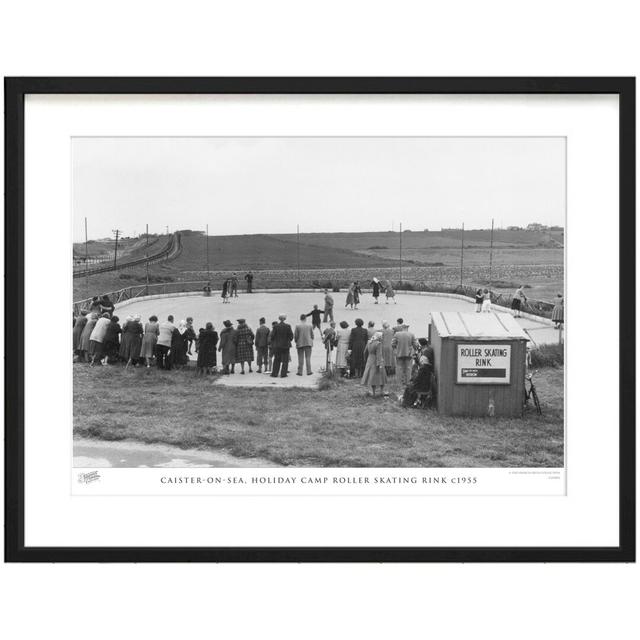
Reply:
x=478, y=326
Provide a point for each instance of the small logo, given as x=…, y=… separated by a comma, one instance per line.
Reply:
x=86, y=478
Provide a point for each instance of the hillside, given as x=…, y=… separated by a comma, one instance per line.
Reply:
x=266, y=252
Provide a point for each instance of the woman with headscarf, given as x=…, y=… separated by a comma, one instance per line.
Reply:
x=375, y=374
x=112, y=340
x=358, y=339
x=131, y=340
x=85, y=337
x=178, y=353
x=387, y=349
x=78, y=327
x=557, y=315
x=207, y=341
x=150, y=339
x=227, y=347
x=342, y=346
x=244, y=344
x=375, y=289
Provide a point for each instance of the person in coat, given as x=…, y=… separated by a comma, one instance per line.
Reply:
x=112, y=340
x=131, y=341
x=519, y=299
x=97, y=337
x=262, y=346
x=557, y=315
x=178, y=352
x=85, y=337
x=328, y=306
x=405, y=344
x=149, y=340
x=227, y=348
x=249, y=278
x=420, y=383
x=329, y=337
x=163, y=343
x=387, y=349
x=207, y=342
x=244, y=344
x=281, y=337
x=357, y=342
x=315, y=319
x=350, y=297
x=271, y=354
x=479, y=300
x=357, y=292
x=389, y=293
x=78, y=327
x=375, y=289
x=225, y=291
x=342, y=347
x=303, y=336
x=375, y=374
x=371, y=328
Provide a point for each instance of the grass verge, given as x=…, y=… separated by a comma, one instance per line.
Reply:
x=336, y=427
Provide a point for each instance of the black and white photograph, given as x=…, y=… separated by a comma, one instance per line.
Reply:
x=318, y=302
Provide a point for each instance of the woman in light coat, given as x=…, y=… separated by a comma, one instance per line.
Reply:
x=387, y=349
x=342, y=346
x=375, y=374
x=86, y=336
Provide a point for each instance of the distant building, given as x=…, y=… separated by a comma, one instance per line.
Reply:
x=536, y=226
x=514, y=228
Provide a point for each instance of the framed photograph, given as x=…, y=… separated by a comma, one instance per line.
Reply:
x=320, y=319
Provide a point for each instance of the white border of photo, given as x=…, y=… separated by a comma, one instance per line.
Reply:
x=586, y=514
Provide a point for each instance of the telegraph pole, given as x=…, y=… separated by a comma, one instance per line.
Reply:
x=115, y=254
x=208, y=271
x=491, y=254
x=461, y=255
x=86, y=255
x=147, y=257
x=298, y=249
x=401, y=253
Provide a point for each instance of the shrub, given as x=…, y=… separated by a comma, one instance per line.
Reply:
x=330, y=379
x=547, y=355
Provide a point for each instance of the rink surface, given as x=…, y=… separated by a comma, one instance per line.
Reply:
x=413, y=309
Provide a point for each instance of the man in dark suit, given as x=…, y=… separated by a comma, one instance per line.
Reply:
x=281, y=337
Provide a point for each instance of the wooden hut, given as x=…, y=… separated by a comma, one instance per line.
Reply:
x=480, y=363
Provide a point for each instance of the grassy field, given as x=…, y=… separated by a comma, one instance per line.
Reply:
x=336, y=427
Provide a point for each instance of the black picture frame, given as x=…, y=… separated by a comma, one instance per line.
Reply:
x=15, y=91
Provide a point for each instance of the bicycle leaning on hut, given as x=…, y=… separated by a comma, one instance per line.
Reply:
x=531, y=392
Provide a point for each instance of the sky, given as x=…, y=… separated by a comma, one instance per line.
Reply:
x=270, y=185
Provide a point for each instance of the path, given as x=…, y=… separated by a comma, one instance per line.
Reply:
x=128, y=453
